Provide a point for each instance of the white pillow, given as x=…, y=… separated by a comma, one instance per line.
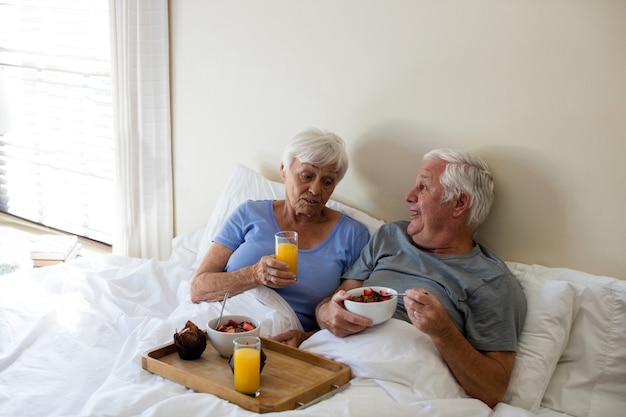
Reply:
x=552, y=305
x=246, y=184
x=590, y=378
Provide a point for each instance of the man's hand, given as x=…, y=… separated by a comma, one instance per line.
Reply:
x=483, y=375
x=426, y=312
x=333, y=316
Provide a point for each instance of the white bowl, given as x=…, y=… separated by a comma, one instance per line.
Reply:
x=222, y=341
x=379, y=311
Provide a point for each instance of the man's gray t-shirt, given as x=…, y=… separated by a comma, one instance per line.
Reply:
x=483, y=298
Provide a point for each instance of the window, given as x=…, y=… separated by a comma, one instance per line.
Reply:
x=56, y=118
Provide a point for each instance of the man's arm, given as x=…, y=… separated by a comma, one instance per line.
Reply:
x=483, y=375
x=332, y=315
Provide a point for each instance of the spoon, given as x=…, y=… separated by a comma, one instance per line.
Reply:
x=389, y=295
x=219, y=319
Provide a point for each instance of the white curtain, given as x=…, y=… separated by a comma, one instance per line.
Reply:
x=141, y=102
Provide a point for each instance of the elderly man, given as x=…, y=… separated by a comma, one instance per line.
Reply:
x=457, y=291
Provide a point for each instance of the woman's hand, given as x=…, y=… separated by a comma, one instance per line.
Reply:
x=292, y=337
x=273, y=273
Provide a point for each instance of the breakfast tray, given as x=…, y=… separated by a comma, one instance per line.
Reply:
x=292, y=378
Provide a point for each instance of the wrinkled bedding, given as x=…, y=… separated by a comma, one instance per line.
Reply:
x=72, y=336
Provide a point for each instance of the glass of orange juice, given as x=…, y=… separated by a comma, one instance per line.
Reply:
x=287, y=249
x=247, y=365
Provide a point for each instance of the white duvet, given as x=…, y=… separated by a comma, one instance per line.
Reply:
x=71, y=339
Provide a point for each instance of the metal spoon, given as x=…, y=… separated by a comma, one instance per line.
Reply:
x=219, y=319
x=389, y=295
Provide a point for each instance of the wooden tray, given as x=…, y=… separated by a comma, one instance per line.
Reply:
x=292, y=378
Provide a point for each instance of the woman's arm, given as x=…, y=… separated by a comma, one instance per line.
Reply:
x=211, y=282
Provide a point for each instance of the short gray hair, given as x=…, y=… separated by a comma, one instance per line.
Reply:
x=468, y=173
x=317, y=147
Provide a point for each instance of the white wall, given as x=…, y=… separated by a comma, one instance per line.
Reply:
x=538, y=88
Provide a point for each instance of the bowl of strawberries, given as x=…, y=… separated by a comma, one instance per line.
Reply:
x=376, y=303
x=230, y=328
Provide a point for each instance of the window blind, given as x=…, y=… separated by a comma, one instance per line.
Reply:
x=56, y=128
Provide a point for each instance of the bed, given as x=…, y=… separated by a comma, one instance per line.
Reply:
x=72, y=337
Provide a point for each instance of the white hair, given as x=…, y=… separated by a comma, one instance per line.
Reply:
x=468, y=173
x=319, y=148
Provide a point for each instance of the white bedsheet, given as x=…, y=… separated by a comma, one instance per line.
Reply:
x=72, y=335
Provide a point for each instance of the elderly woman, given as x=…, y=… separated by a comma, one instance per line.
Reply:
x=241, y=256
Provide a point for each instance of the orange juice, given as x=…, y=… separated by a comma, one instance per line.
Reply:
x=247, y=370
x=288, y=252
